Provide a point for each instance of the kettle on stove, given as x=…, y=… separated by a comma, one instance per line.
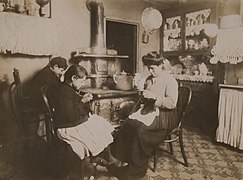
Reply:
x=123, y=81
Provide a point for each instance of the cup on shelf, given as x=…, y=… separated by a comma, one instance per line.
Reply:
x=196, y=73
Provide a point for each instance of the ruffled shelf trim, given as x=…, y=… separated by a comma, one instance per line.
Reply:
x=196, y=78
x=28, y=34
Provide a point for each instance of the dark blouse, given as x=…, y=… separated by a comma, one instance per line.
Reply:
x=70, y=111
x=45, y=77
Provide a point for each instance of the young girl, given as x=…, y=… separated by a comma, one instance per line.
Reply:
x=87, y=133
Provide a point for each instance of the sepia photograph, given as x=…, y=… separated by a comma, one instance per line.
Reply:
x=121, y=89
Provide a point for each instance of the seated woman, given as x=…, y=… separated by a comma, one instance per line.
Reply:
x=146, y=128
x=87, y=133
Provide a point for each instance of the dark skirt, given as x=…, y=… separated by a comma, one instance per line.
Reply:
x=135, y=142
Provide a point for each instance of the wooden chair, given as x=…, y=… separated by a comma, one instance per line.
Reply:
x=52, y=140
x=184, y=98
x=50, y=133
x=21, y=104
x=14, y=90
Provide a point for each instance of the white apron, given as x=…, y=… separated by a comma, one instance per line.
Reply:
x=91, y=136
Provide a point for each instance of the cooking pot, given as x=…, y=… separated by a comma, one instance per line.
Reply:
x=123, y=81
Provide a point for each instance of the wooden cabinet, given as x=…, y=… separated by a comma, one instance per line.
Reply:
x=183, y=30
x=185, y=43
x=202, y=112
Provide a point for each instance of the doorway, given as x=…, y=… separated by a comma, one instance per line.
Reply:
x=122, y=36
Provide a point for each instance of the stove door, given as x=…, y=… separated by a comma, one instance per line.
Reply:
x=115, y=110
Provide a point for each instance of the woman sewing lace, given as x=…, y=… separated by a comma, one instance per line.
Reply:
x=147, y=128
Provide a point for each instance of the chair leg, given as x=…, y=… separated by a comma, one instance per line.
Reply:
x=155, y=160
x=182, y=148
x=82, y=170
x=171, y=147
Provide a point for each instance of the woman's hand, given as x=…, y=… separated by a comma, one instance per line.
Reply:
x=149, y=95
x=87, y=97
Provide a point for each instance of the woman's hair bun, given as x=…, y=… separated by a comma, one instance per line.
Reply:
x=153, y=58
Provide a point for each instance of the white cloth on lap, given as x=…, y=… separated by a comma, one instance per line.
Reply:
x=147, y=119
x=91, y=136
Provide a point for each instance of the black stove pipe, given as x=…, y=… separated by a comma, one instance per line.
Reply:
x=97, y=43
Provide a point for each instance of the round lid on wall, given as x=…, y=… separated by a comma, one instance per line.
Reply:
x=151, y=19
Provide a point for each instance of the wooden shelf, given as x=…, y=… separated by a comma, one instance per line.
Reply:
x=197, y=52
x=195, y=78
x=100, y=76
x=234, y=86
x=188, y=52
x=88, y=55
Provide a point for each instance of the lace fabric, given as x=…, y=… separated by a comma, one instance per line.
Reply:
x=28, y=34
x=229, y=45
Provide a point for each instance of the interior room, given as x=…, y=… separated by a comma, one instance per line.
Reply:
x=202, y=41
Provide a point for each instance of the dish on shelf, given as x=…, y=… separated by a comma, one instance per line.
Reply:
x=173, y=22
x=177, y=69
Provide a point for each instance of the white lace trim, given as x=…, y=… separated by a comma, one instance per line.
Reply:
x=28, y=34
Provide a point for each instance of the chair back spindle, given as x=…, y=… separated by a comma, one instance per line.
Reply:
x=16, y=98
x=184, y=99
x=48, y=116
x=17, y=82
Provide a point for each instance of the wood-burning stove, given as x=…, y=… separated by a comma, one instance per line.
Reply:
x=101, y=66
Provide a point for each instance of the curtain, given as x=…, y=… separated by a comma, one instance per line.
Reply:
x=230, y=114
